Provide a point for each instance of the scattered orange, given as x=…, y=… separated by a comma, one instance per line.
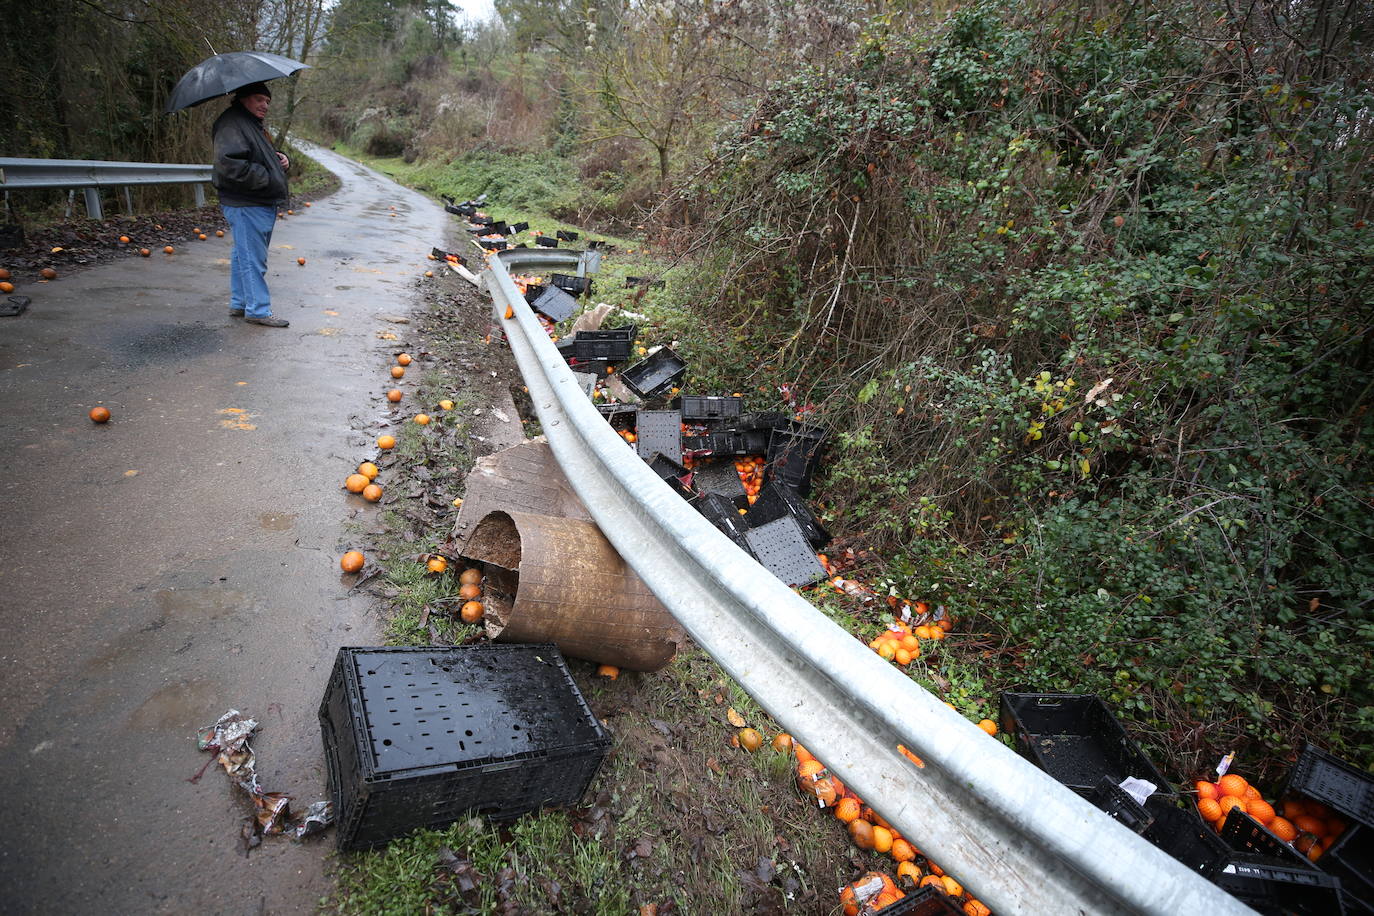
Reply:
x=933, y=881
x=403, y=358
x=446, y=404
x=610, y=671
x=861, y=832
x=922, y=632
x=437, y=564
x=168, y=250
x=1283, y=829
x=847, y=809
x=1232, y=785
x=355, y=483
x=469, y=590
x=1206, y=789
x=368, y=470
x=976, y=908
x=352, y=561
x=937, y=633
x=372, y=492
x=99, y=414
x=202, y=236
x=952, y=887
x=902, y=851
x=882, y=839
x=750, y=739
x=782, y=743
x=803, y=755
x=123, y=240
x=6, y=286
x=48, y=273
x=1209, y=808
x=386, y=442
x=300, y=261
x=472, y=612
x=290, y=212
x=510, y=311
x=429, y=273
x=394, y=395
x=988, y=726
x=4, y=274
x=906, y=869
x=219, y=233
x=397, y=372
x=144, y=251
x=422, y=419
x=471, y=576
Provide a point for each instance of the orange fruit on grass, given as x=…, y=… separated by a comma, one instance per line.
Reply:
x=394, y=395
x=902, y=657
x=882, y=839
x=355, y=483
x=886, y=651
x=422, y=419
x=1232, y=785
x=803, y=755
x=1260, y=810
x=861, y=832
x=782, y=743
x=470, y=576
x=1206, y=789
x=352, y=561
x=847, y=809
x=1283, y=828
x=749, y=739
x=909, y=869
x=397, y=372
x=372, y=492
x=902, y=851
x=1209, y=808
x=386, y=442
x=403, y=359
x=368, y=470
x=922, y=632
x=436, y=564
x=988, y=726
x=99, y=414
x=472, y=611
x=937, y=633
x=469, y=590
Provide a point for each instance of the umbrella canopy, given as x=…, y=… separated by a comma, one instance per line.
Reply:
x=223, y=73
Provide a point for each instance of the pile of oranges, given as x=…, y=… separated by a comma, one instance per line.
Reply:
x=751, y=472
x=470, y=589
x=1308, y=826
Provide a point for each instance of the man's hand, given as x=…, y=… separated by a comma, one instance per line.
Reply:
x=285, y=163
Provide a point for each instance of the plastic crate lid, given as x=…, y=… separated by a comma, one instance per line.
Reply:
x=555, y=303
x=783, y=549
x=464, y=706
x=659, y=432
x=718, y=477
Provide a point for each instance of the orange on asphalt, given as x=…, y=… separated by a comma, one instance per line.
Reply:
x=168, y=250
x=6, y=286
x=394, y=395
x=372, y=492
x=99, y=414
x=386, y=442
x=397, y=372
x=352, y=561
x=368, y=470
x=403, y=358
x=354, y=483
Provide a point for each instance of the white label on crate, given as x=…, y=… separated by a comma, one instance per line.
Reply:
x=1139, y=789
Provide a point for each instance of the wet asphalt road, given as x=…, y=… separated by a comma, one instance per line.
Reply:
x=183, y=559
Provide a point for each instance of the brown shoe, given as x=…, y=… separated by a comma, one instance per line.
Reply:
x=269, y=322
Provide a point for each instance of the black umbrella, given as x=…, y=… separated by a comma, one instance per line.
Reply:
x=223, y=73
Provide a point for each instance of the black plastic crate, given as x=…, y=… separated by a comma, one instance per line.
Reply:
x=1351, y=858
x=546, y=241
x=499, y=228
x=763, y=419
x=655, y=374
x=926, y=901
x=709, y=408
x=1181, y=833
x=719, y=477
x=776, y=501
x=1242, y=833
x=620, y=416
x=519, y=227
x=1120, y=806
x=659, y=432
x=595, y=345
x=553, y=302
x=480, y=220
x=784, y=551
x=493, y=244
x=1330, y=780
x=567, y=235
x=720, y=444
x=1075, y=738
x=675, y=475
x=794, y=451
x=719, y=511
x=1273, y=887
x=421, y=737
x=575, y=286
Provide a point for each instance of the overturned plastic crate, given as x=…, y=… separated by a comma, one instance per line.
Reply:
x=673, y=474
x=493, y=244
x=718, y=477
x=612, y=344
x=659, y=432
x=621, y=416
x=774, y=502
x=573, y=286
x=1242, y=833
x=421, y=737
x=1351, y=858
x=1075, y=738
x=794, y=451
x=1181, y=833
x=709, y=408
x=720, y=444
x=1326, y=778
x=782, y=548
x=720, y=511
x=546, y=241
x=567, y=235
x=1121, y=806
x=553, y=302
x=519, y=227
x=656, y=374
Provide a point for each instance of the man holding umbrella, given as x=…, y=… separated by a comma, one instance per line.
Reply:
x=250, y=177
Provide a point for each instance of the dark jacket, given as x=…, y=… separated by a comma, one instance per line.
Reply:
x=247, y=172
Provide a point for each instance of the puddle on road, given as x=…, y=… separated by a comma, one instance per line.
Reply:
x=163, y=342
x=179, y=706
x=277, y=521
x=203, y=603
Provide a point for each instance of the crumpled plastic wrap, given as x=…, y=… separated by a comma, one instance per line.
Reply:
x=227, y=739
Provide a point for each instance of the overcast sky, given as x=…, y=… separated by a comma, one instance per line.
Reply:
x=479, y=10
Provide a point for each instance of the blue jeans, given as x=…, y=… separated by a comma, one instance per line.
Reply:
x=252, y=228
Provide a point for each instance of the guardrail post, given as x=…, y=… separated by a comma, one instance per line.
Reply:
x=199, y=191
x=93, y=203
x=128, y=200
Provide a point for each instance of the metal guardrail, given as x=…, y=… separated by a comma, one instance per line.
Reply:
x=1019, y=840
x=91, y=175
